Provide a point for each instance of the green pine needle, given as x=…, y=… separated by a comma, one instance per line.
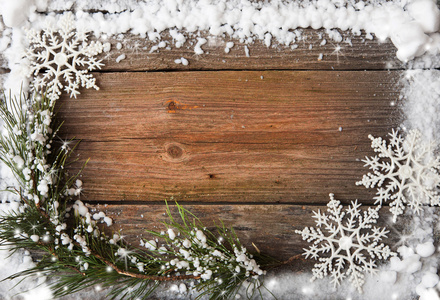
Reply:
x=77, y=253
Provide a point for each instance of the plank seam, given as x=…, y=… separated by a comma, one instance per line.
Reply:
x=223, y=203
x=247, y=70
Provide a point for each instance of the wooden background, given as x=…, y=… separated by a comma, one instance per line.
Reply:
x=258, y=142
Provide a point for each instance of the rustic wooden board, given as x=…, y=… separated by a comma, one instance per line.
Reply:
x=232, y=144
x=270, y=227
x=309, y=52
x=356, y=53
x=268, y=137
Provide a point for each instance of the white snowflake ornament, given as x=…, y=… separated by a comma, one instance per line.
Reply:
x=405, y=172
x=56, y=57
x=345, y=243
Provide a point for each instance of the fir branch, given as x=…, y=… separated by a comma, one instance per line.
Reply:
x=142, y=276
x=78, y=253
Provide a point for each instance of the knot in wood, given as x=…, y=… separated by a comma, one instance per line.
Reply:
x=175, y=151
x=172, y=105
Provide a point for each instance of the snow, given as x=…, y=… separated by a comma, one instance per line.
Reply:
x=108, y=221
x=151, y=245
x=14, y=13
x=410, y=41
x=171, y=234
x=182, y=288
x=389, y=283
x=421, y=107
x=412, y=25
x=228, y=47
x=426, y=13
x=31, y=287
x=106, y=47
x=426, y=249
x=246, y=51
x=80, y=208
x=198, y=48
x=410, y=262
x=388, y=277
x=184, y=61
x=395, y=20
x=430, y=280
x=120, y=57
x=429, y=294
x=207, y=275
x=409, y=24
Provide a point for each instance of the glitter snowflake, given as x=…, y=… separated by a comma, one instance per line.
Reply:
x=350, y=244
x=56, y=57
x=405, y=172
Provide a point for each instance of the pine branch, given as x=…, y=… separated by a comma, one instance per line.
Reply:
x=144, y=277
x=82, y=255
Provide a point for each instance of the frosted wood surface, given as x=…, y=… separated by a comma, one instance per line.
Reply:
x=249, y=136
x=314, y=50
x=356, y=53
x=359, y=54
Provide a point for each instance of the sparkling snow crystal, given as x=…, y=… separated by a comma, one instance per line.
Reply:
x=408, y=177
x=349, y=245
x=56, y=55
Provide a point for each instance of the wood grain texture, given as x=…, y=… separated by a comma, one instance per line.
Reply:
x=270, y=227
x=314, y=50
x=356, y=53
x=269, y=137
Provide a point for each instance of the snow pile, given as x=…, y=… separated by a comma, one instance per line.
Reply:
x=421, y=95
x=411, y=26
x=292, y=286
x=31, y=287
x=419, y=259
x=418, y=263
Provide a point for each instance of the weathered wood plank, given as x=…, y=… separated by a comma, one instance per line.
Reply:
x=270, y=227
x=356, y=52
x=229, y=136
x=353, y=53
